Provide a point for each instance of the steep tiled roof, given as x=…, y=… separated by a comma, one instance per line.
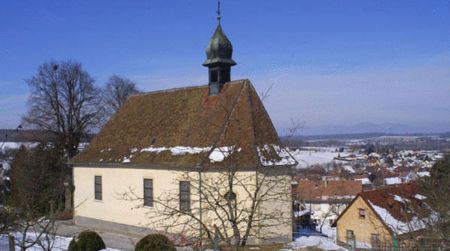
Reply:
x=394, y=199
x=328, y=191
x=401, y=209
x=187, y=128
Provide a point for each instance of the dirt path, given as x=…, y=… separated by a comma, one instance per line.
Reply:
x=112, y=239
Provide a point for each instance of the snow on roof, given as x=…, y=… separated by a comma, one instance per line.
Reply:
x=395, y=225
x=220, y=153
x=285, y=157
x=393, y=180
x=182, y=127
x=175, y=150
x=419, y=197
x=423, y=174
x=401, y=199
x=365, y=181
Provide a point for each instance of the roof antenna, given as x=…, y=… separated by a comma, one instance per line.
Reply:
x=218, y=11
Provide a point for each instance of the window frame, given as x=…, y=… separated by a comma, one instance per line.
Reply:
x=147, y=196
x=98, y=187
x=362, y=213
x=350, y=234
x=185, y=196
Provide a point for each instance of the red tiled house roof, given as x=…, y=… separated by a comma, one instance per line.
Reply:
x=149, y=127
x=389, y=198
x=399, y=208
x=328, y=191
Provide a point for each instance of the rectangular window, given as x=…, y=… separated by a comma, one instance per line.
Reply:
x=148, y=192
x=362, y=213
x=185, y=196
x=375, y=240
x=213, y=76
x=98, y=187
x=350, y=235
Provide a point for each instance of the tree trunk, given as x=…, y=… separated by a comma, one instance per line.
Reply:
x=11, y=243
x=68, y=201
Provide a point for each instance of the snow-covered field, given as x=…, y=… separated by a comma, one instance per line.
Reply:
x=314, y=155
x=15, y=145
x=61, y=243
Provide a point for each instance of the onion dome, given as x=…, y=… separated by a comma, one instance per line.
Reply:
x=219, y=49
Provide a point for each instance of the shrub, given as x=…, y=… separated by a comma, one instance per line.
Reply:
x=87, y=241
x=155, y=242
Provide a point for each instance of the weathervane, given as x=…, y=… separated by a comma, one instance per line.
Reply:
x=218, y=11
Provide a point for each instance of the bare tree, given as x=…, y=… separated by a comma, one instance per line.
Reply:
x=64, y=102
x=236, y=205
x=116, y=92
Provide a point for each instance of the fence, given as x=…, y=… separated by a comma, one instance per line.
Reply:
x=393, y=244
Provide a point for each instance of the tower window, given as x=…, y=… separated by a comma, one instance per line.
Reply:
x=213, y=76
x=225, y=75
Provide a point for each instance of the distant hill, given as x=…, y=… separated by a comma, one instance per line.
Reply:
x=14, y=135
x=350, y=136
x=369, y=127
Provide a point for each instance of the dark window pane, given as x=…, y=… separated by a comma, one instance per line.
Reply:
x=214, y=76
x=98, y=187
x=148, y=192
x=185, y=196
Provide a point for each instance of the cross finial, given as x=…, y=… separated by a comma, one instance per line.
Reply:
x=218, y=10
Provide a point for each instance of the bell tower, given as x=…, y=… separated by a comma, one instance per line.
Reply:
x=218, y=52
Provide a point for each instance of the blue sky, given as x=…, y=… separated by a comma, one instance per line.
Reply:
x=330, y=63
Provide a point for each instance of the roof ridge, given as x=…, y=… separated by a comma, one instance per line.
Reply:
x=184, y=88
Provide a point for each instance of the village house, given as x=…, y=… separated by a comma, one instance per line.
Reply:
x=150, y=167
x=382, y=217
x=326, y=199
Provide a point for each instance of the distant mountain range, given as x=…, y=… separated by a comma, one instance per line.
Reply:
x=350, y=136
x=368, y=127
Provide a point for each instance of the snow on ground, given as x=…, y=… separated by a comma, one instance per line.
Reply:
x=329, y=231
x=363, y=245
x=61, y=243
x=15, y=145
x=313, y=156
x=320, y=242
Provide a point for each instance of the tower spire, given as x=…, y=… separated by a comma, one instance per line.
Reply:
x=218, y=11
x=218, y=58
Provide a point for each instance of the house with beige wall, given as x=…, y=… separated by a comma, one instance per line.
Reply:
x=382, y=217
x=189, y=162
